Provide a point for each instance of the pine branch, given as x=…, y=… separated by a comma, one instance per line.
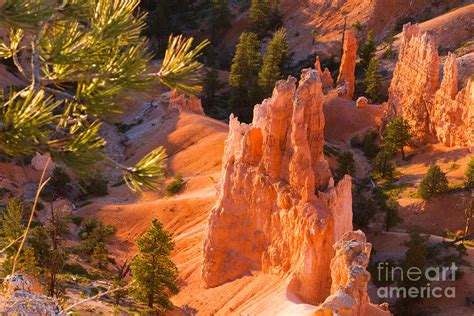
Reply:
x=181, y=70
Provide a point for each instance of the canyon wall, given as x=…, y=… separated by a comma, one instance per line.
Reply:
x=349, y=279
x=435, y=112
x=278, y=210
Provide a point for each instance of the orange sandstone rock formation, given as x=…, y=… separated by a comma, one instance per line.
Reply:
x=436, y=113
x=174, y=99
x=326, y=77
x=269, y=215
x=349, y=279
x=346, y=79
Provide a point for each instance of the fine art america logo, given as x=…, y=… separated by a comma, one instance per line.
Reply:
x=414, y=282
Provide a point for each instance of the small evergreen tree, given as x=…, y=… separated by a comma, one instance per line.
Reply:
x=274, y=62
x=470, y=173
x=392, y=217
x=211, y=86
x=12, y=228
x=368, y=51
x=11, y=223
x=398, y=134
x=220, y=17
x=243, y=77
x=152, y=270
x=369, y=145
x=346, y=165
x=434, y=182
x=100, y=256
x=383, y=164
x=415, y=256
x=264, y=16
x=372, y=81
x=48, y=244
x=94, y=233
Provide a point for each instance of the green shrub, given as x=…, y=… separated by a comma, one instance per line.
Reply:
x=58, y=186
x=383, y=165
x=434, y=182
x=369, y=146
x=77, y=220
x=355, y=142
x=357, y=26
x=75, y=268
x=470, y=174
x=175, y=186
x=346, y=165
x=96, y=185
x=92, y=233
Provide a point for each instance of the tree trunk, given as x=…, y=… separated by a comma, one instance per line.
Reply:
x=150, y=301
x=52, y=285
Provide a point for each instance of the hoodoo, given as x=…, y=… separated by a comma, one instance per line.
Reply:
x=350, y=278
x=346, y=79
x=436, y=113
x=271, y=214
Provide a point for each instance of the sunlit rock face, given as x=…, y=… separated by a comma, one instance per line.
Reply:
x=326, y=77
x=349, y=279
x=346, y=79
x=20, y=298
x=435, y=112
x=277, y=209
x=176, y=100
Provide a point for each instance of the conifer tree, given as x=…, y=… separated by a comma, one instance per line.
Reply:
x=78, y=58
x=433, y=183
x=211, y=86
x=264, y=16
x=372, y=81
x=258, y=16
x=398, y=134
x=11, y=222
x=383, y=164
x=243, y=76
x=274, y=62
x=346, y=165
x=368, y=51
x=220, y=16
x=152, y=270
x=470, y=173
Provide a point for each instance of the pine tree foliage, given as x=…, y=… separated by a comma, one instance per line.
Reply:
x=398, y=134
x=470, y=173
x=11, y=222
x=274, y=62
x=372, y=81
x=152, y=270
x=368, y=50
x=382, y=163
x=76, y=59
x=244, y=71
x=434, y=183
x=346, y=165
x=264, y=16
x=220, y=16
